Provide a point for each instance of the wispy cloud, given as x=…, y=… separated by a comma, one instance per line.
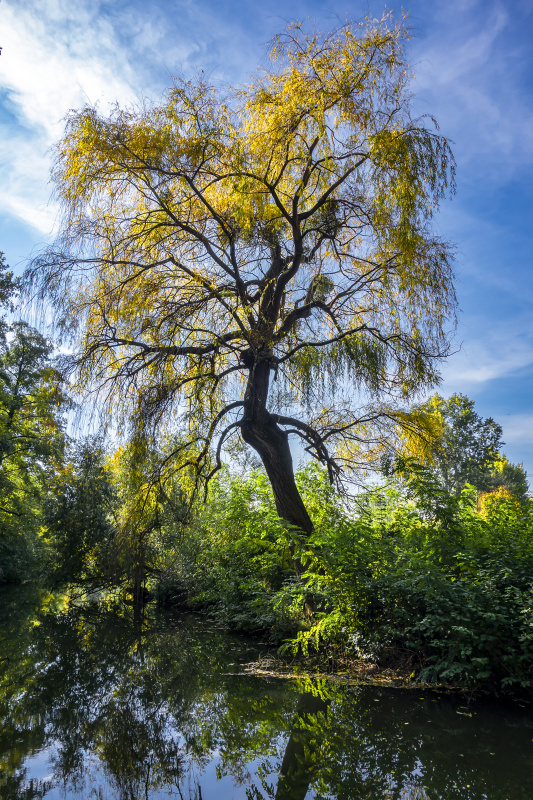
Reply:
x=497, y=353
x=56, y=56
x=59, y=55
x=472, y=69
x=517, y=429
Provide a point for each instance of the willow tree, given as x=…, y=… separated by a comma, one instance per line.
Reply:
x=259, y=262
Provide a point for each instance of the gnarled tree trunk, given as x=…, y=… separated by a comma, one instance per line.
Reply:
x=261, y=431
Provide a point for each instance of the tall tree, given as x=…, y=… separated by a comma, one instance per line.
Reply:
x=468, y=449
x=31, y=429
x=260, y=261
x=30, y=399
x=149, y=513
x=512, y=477
x=79, y=514
x=9, y=288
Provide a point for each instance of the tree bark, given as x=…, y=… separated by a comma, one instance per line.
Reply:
x=262, y=432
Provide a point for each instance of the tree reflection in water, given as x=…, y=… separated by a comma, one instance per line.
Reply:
x=98, y=703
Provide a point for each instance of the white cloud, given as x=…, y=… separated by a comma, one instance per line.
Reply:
x=56, y=56
x=54, y=60
x=24, y=166
x=59, y=55
x=499, y=353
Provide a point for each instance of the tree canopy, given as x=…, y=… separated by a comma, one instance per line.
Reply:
x=260, y=260
x=31, y=427
x=468, y=449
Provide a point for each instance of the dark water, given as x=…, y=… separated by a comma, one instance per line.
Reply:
x=99, y=704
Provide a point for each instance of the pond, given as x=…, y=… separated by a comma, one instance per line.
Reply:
x=101, y=703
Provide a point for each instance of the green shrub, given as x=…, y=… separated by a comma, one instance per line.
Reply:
x=450, y=583
x=403, y=565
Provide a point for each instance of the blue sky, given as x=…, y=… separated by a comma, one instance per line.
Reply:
x=473, y=61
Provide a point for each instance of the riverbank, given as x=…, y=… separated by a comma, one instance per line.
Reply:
x=362, y=673
x=434, y=594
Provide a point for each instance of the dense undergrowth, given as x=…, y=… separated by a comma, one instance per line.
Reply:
x=446, y=581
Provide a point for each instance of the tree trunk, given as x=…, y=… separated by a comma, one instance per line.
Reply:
x=261, y=431
x=301, y=761
x=272, y=445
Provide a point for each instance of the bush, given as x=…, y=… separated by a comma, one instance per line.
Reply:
x=404, y=565
x=452, y=584
x=234, y=556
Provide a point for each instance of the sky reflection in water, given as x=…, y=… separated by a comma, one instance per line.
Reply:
x=100, y=704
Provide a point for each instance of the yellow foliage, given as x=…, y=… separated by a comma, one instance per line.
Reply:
x=488, y=503
x=285, y=226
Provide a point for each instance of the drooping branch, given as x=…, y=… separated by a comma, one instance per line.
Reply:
x=218, y=455
x=283, y=230
x=312, y=436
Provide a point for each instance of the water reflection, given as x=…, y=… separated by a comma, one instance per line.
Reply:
x=98, y=703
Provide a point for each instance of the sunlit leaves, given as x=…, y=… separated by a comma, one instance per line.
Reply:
x=32, y=400
x=285, y=223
